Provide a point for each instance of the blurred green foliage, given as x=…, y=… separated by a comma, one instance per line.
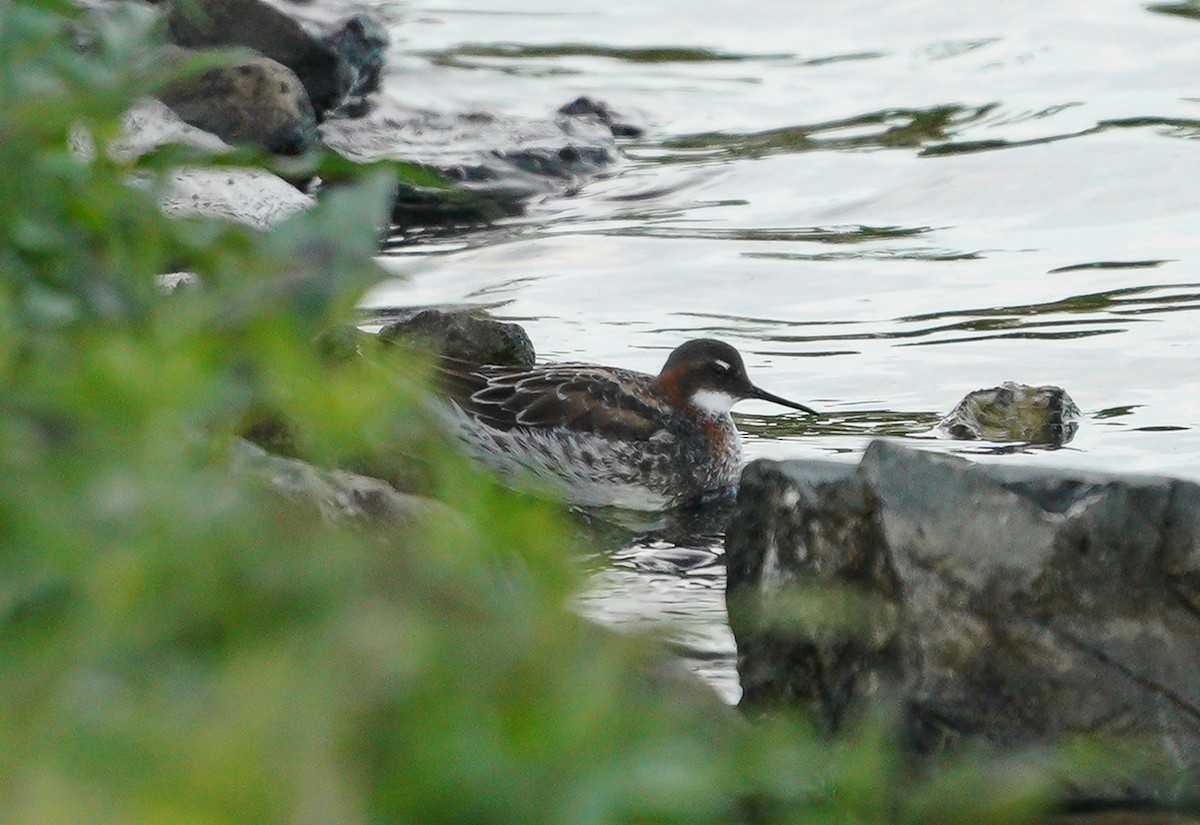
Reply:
x=179, y=644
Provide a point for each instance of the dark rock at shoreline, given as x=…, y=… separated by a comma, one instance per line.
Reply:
x=257, y=100
x=421, y=207
x=463, y=336
x=1014, y=412
x=1004, y=606
x=362, y=43
x=204, y=24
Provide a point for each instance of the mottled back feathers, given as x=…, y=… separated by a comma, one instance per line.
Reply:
x=578, y=397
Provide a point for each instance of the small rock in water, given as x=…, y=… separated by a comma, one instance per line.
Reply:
x=1014, y=412
x=587, y=107
x=362, y=41
x=464, y=336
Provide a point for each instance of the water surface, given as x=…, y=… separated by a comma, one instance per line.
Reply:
x=884, y=205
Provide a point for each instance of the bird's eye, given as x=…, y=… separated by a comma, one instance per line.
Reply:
x=721, y=367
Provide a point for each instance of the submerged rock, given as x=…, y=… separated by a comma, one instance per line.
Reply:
x=463, y=336
x=1014, y=412
x=587, y=107
x=501, y=163
x=1011, y=607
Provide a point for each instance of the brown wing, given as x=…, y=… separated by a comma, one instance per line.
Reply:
x=584, y=398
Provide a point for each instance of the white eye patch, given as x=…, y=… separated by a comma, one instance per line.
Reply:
x=723, y=365
x=714, y=402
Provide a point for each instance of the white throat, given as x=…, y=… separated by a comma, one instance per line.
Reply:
x=713, y=402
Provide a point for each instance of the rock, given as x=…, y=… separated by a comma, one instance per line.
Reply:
x=362, y=42
x=342, y=344
x=463, y=336
x=256, y=100
x=247, y=196
x=253, y=24
x=503, y=163
x=1014, y=412
x=338, y=495
x=150, y=124
x=419, y=207
x=252, y=197
x=1005, y=606
x=586, y=107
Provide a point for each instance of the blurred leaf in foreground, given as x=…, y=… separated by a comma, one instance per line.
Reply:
x=181, y=644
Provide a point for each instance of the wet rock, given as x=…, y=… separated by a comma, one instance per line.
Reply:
x=150, y=124
x=501, y=163
x=463, y=336
x=204, y=24
x=250, y=197
x=256, y=100
x=586, y=107
x=421, y=207
x=1014, y=412
x=1006, y=606
x=362, y=43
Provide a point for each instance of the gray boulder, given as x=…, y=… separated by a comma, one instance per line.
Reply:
x=1004, y=606
x=256, y=100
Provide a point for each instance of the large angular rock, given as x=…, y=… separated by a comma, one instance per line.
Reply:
x=1007, y=606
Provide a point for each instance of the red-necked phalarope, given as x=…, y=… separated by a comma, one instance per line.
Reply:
x=603, y=436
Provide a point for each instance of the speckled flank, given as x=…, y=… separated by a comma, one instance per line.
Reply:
x=582, y=468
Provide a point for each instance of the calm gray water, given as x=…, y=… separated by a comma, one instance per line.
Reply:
x=884, y=205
